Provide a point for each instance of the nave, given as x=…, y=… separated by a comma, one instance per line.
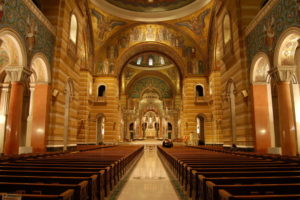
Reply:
x=146, y=172
x=149, y=179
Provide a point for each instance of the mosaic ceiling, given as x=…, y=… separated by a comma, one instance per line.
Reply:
x=150, y=5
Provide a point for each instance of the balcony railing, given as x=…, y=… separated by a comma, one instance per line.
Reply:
x=203, y=100
x=97, y=100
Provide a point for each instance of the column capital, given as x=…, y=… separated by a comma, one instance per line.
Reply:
x=283, y=73
x=17, y=73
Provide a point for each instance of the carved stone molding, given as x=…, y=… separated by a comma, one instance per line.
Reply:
x=17, y=73
x=283, y=73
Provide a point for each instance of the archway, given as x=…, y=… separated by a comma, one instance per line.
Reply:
x=12, y=87
x=200, y=129
x=231, y=97
x=286, y=60
x=37, y=121
x=69, y=93
x=265, y=134
x=100, y=128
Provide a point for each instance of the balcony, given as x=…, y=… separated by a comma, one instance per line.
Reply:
x=95, y=100
x=203, y=100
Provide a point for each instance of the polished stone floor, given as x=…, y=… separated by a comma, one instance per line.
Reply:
x=149, y=180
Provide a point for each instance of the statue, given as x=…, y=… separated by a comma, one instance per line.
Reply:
x=31, y=31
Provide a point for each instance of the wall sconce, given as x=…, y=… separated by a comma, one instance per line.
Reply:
x=244, y=93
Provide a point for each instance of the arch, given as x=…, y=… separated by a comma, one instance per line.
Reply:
x=101, y=90
x=150, y=74
x=199, y=90
x=150, y=47
x=100, y=128
x=69, y=93
x=41, y=68
x=284, y=54
x=263, y=103
x=231, y=90
x=260, y=67
x=14, y=45
x=73, y=33
x=200, y=129
x=227, y=31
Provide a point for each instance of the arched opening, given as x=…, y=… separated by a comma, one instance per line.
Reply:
x=286, y=61
x=231, y=95
x=131, y=130
x=73, y=29
x=227, y=35
x=100, y=129
x=37, y=120
x=265, y=107
x=13, y=59
x=101, y=91
x=170, y=130
x=69, y=93
x=199, y=91
x=200, y=129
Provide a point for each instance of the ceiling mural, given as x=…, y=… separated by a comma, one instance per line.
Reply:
x=150, y=5
x=197, y=23
x=153, y=83
x=182, y=44
x=187, y=36
x=105, y=24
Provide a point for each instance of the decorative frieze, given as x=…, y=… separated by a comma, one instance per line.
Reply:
x=17, y=73
x=283, y=73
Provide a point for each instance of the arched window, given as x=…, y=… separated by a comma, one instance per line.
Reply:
x=73, y=29
x=226, y=29
x=199, y=91
x=101, y=91
x=200, y=129
x=169, y=127
x=151, y=61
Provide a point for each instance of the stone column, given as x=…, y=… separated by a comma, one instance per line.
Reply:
x=40, y=113
x=4, y=102
x=261, y=120
x=17, y=75
x=29, y=118
x=283, y=75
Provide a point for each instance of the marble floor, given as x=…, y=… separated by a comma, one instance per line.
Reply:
x=149, y=180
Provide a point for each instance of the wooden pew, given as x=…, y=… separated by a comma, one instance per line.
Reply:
x=98, y=186
x=39, y=191
x=257, y=189
x=243, y=180
x=233, y=194
x=65, y=195
x=91, y=192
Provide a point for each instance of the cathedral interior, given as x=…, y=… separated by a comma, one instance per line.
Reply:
x=220, y=74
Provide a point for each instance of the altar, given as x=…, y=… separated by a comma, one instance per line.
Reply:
x=150, y=133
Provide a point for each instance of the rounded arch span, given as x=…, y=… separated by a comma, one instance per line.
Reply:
x=151, y=47
x=150, y=74
x=41, y=68
x=284, y=54
x=201, y=115
x=14, y=45
x=260, y=67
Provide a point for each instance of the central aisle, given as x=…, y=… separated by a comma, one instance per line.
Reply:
x=149, y=180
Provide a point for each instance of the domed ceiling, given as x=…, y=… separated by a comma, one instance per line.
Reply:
x=150, y=5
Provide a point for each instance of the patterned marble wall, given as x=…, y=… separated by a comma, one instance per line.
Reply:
x=16, y=15
x=264, y=36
